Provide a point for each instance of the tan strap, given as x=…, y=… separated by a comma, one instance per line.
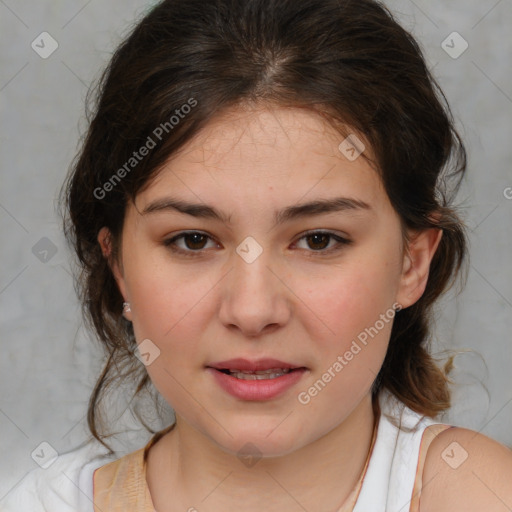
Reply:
x=429, y=434
x=121, y=485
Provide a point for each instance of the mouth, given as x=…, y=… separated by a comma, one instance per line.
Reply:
x=272, y=373
x=256, y=380
x=260, y=369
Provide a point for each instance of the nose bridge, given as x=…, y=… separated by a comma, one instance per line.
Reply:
x=253, y=297
x=252, y=268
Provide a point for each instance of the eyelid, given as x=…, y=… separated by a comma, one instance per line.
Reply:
x=321, y=231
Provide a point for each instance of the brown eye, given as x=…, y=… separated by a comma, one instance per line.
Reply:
x=319, y=241
x=193, y=242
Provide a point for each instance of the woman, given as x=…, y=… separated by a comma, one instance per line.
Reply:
x=262, y=212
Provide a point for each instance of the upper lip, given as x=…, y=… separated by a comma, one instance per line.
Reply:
x=252, y=366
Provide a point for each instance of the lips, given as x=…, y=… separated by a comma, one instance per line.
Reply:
x=262, y=379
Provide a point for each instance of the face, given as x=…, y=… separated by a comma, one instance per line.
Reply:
x=307, y=293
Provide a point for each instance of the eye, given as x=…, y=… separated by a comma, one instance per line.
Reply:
x=319, y=241
x=194, y=242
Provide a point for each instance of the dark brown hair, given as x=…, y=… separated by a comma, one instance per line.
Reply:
x=349, y=61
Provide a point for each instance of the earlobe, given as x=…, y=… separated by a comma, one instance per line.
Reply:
x=416, y=265
x=105, y=241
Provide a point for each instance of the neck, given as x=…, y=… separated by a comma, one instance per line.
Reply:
x=318, y=476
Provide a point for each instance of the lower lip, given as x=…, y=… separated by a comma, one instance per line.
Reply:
x=263, y=389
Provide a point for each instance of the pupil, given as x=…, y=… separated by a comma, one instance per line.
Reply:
x=195, y=237
x=317, y=236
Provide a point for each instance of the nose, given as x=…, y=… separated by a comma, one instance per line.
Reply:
x=255, y=298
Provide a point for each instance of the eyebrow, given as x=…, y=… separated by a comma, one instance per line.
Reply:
x=312, y=208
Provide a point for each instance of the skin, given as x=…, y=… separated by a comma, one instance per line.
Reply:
x=480, y=482
x=291, y=304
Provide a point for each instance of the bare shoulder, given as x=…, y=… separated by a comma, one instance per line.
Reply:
x=466, y=471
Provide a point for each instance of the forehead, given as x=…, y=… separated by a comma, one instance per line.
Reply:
x=280, y=152
x=262, y=133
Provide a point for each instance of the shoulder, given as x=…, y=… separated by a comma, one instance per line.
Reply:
x=466, y=471
x=62, y=486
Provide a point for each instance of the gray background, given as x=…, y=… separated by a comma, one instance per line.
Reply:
x=48, y=363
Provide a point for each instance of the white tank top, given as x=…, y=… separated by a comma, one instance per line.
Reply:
x=395, y=467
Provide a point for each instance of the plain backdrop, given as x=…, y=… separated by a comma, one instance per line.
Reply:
x=48, y=362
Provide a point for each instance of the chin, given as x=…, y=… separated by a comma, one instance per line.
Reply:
x=264, y=440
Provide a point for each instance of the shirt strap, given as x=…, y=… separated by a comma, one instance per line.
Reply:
x=429, y=434
x=121, y=485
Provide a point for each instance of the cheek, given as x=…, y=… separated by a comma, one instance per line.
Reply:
x=358, y=310
x=169, y=308
x=350, y=300
x=350, y=328
x=166, y=299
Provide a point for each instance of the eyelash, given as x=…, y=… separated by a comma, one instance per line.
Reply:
x=170, y=243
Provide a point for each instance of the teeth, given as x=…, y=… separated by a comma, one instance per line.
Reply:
x=259, y=374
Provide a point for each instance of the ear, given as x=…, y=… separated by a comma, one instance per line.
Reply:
x=105, y=241
x=416, y=264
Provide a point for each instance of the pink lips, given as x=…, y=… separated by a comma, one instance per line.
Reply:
x=264, y=389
